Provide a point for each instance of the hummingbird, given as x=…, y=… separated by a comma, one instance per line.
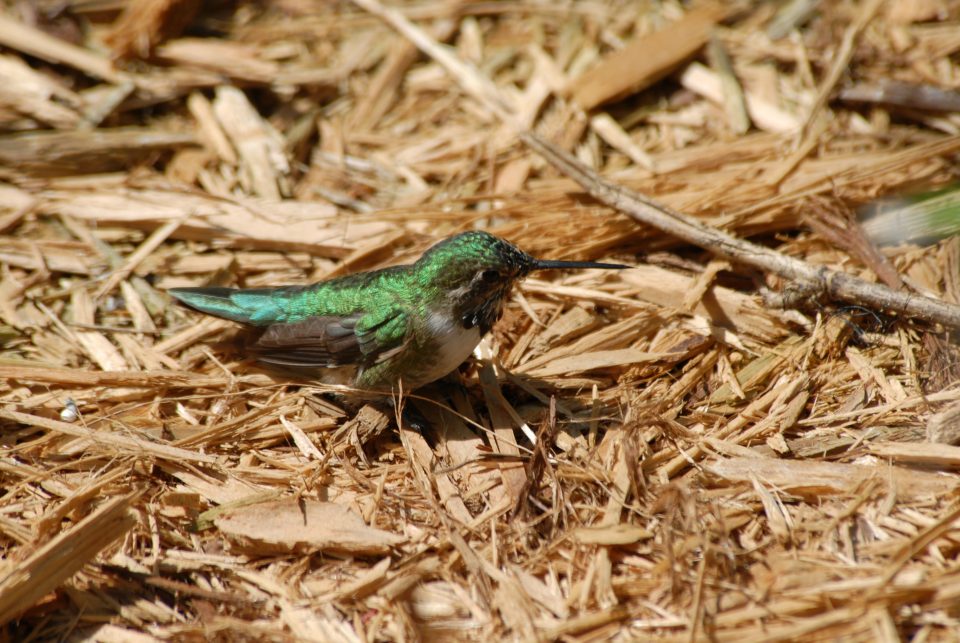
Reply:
x=408, y=325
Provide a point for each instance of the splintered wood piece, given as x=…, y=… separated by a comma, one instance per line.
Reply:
x=289, y=526
x=611, y=132
x=94, y=343
x=502, y=441
x=96, y=150
x=446, y=488
x=811, y=478
x=56, y=561
x=944, y=426
x=60, y=256
x=192, y=334
x=733, y=98
x=108, y=443
x=595, y=360
x=937, y=455
x=33, y=41
x=233, y=59
x=618, y=534
x=744, y=314
x=305, y=226
x=150, y=244
x=465, y=446
x=133, y=302
x=38, y=96
x=262, y=155
x=647, y=59
x=303, y=442
x=367, y=583
x=764, y=114
x=210, y=130
x=375, y=102
x=74, y=377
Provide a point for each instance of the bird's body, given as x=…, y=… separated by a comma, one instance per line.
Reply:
x=407, y=325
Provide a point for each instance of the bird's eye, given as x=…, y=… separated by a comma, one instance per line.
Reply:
x=490, y=276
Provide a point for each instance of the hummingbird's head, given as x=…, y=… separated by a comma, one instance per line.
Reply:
x=476, y=271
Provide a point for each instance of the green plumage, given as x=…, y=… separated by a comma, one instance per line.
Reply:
x=291, y=304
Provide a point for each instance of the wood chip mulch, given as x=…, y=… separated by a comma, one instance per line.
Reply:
x=708, y=465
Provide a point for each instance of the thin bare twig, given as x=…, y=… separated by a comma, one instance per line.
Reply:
x=643, y=209
x=835, y=284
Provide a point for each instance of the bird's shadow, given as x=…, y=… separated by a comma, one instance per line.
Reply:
x=456, y=408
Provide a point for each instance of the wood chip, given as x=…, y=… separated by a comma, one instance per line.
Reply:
x=825, y=478
x=56, y=561
x=646, y=60
x=289, y=526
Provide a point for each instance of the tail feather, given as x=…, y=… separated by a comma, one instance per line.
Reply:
x=257, y=306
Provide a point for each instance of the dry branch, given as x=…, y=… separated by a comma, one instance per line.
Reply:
x=643, y=209
x=818, y=279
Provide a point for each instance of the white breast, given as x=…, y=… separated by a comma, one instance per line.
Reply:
x=454, y=342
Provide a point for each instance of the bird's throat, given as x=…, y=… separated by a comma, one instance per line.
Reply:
x=482, y=313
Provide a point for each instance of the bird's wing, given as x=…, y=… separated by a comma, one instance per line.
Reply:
x=361, y=339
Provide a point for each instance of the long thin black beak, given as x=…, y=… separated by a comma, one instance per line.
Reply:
x=543, y=264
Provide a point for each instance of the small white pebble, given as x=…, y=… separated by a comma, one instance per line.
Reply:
x=112, y=304
x=70, y=412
